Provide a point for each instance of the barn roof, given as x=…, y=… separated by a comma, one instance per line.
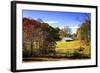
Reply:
x=67, y=38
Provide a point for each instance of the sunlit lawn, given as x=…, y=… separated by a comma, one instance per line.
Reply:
x=71, y=46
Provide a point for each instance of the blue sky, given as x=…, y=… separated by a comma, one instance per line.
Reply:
x=58, y=19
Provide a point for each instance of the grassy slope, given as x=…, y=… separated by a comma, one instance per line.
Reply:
x=71, y=46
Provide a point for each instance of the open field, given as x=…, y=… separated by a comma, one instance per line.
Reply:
x=72, y=46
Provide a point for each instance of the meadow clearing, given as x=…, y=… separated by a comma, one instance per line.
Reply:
x=73, y=47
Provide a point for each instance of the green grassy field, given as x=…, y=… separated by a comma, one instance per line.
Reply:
x=72, y=46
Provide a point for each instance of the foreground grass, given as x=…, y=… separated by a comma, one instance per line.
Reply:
x=72, y=46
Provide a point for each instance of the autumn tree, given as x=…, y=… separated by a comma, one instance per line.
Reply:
x=65, y=32
x=38, y=37
x=84, y=32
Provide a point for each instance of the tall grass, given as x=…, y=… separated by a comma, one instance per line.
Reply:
x=73, y=49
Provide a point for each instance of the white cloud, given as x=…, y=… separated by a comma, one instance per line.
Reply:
x=61, y=27
x=52, y=22
x=71, y=27
x=74, y=27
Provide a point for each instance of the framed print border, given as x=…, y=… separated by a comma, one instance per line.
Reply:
x=14, y=35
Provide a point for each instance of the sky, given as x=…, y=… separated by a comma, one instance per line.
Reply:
x=58, y=19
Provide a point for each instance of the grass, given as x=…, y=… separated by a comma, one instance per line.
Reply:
x=71, y=47
x=66, y=46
